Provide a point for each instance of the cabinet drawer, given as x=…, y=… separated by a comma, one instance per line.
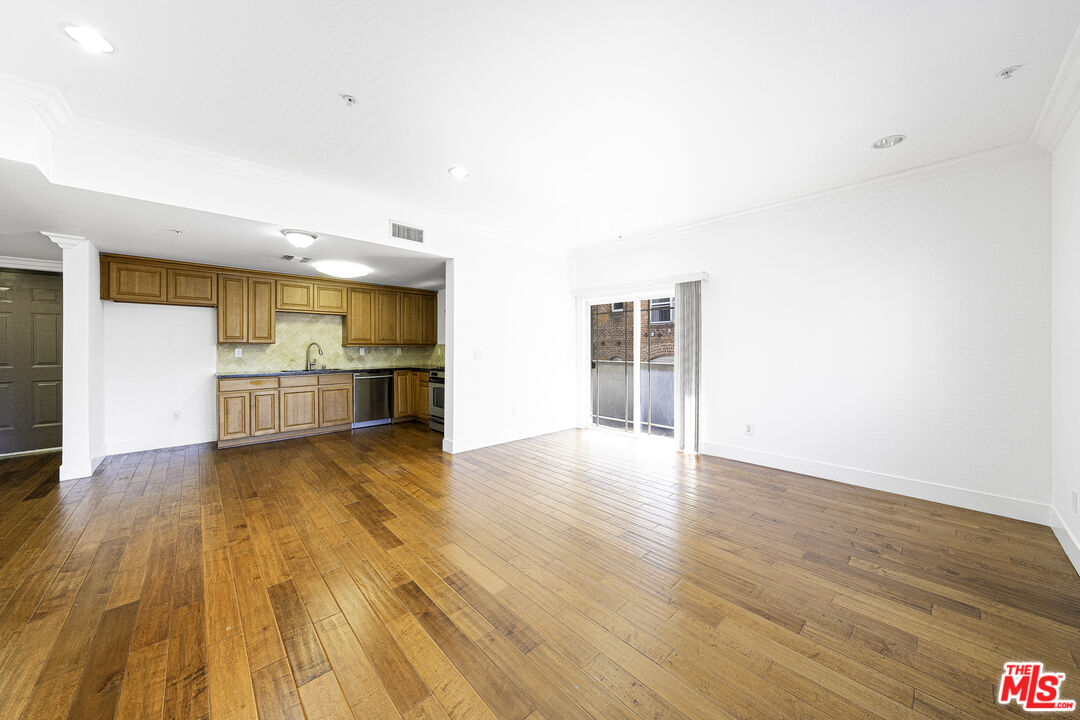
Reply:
x=291, y=381
x=233, y=384
x=341, y=379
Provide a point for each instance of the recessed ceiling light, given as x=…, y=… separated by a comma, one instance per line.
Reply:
x=342, y=268
x=888, y=141
x=349, y=100
x=299, y=238
x=89, y=39
x=1007, y=73
x=459, y=172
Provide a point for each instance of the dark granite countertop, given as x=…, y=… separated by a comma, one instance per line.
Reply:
x=328, y=371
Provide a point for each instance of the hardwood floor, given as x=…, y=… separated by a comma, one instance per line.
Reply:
x=575, y=575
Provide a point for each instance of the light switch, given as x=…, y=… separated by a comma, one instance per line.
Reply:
x=362, y=351
x=239, y=352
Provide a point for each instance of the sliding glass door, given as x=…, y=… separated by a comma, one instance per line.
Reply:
x=632, y=365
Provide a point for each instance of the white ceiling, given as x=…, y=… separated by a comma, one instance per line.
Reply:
x=29, y=203
x=571, y=115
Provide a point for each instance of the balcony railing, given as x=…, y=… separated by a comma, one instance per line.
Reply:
x=613, y=396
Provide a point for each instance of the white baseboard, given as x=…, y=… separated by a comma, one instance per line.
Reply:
x=457, y=445
x=1011, y=507
x=125, y=447
x=77, y=470
x=1065, y=536
x=21, y=453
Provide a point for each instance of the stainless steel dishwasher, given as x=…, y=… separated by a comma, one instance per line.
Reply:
x=372, y=398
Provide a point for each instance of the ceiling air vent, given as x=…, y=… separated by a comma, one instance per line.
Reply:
x=295, y=259
x=406, y=232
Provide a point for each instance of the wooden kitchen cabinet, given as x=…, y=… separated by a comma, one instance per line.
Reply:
x=358, y=325
x=262, y=322
x=191, y=287
x=402, y=401
x=387, y=317
x=232, y=315
x=335, y=405
x=331, y=298
x=265, y=416
x=414, y=393
x=429, y=333
x=137, y=282
x=295, y=295
x=234, y=415
x=299, y=408
x=423, y=409
x=418, y=319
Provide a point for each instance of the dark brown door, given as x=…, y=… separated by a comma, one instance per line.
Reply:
x=31, y=361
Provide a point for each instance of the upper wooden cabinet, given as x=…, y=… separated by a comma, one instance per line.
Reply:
x=418, y=321
x=247, y=300
x=430, y=332
x=136, y=282
x=262, y=323
x=232, y=313
x=191, y=287
x=331, y=298
x=358, y=325
x=387, y=317
x=296, y=295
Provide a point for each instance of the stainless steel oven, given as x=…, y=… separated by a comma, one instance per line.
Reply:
x=436, y=399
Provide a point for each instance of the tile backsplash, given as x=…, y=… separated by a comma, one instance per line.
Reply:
x=296, y=330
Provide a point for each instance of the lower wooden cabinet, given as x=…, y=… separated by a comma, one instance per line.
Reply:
x=234, y=415
x=410, y=394
x=335, y=405
x=265, y=416
x=299, y=408
x=258, y=409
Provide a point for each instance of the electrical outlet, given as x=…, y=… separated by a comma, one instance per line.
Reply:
x=176, y=416
x=398, y=351
x=239, y=352
x=513, y=410
x=748, y=429
x=362, y=351
x=1076, y=499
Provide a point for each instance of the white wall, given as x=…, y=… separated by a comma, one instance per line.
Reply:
x=510, y=344
x=159, y=360
x=896, y=336
x=1065, y=358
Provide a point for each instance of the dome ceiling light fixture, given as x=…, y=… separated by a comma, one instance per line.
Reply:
x=342, y=268
x=299, y=238
x=458, y=172
x=888, y=141
x=89, y=39
x=1009, y=72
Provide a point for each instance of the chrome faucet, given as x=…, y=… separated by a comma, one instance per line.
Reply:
x=310, y=362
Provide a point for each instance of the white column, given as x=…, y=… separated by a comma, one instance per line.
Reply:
x=83, y=385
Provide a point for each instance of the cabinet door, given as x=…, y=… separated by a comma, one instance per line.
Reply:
x=330, y=298
x=430, y=327
x=233, y=415
x=295, y=295
x=423, y=410
x=264, y=412
x=414, y=393
x=299, y=408
x=232, y=315
x=191, y=287
x=387, y=317
x=412, y=319
x=358, y=326
x=137, y=282
x=262, y=323
x=401, y=393
x=335, y=405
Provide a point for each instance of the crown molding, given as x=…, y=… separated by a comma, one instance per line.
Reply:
x=66, y=242
x=17, y=263
x=48, y=103
x=923, y=173
x=1063, y=100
